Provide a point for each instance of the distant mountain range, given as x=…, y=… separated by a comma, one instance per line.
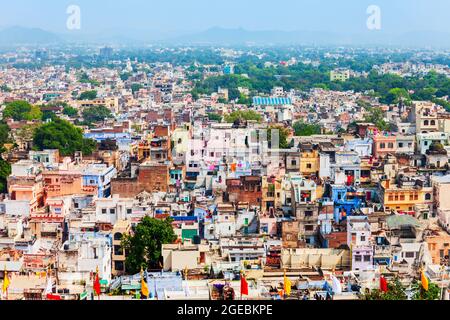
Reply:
x=241, y=36
x=14, y=36
x=30, y=36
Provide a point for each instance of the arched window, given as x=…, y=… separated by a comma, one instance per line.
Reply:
x=433, y=122
x=117, y=236
x=428, y=196
x=426, y=123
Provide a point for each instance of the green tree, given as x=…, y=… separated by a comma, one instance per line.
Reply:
x=243, y=99
x=47, y=114
x=70, y=111
x=84, y=78
x=304, y=129
x=96, y=114
x=243, y=115
x=397, y=95
x=22, y=110
x=88, y=95
x=5, y=88
x=419, y=293
x=214, y=117
x=144, y=246
x=4, y=135
x=5, y=171
x=64, y=136
x=376, y=117
x=135, y=87
x=396, y=291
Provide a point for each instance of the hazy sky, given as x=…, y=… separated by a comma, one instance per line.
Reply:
x=182, y=16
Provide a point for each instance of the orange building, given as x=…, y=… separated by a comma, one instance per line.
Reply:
x=64, y=183
x=439, y=247
x=383, y=145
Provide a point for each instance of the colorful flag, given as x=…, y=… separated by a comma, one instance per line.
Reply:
x=6, y=282
x=424, y=281
x=383, y=284
x=53, y=297
x=287, y=284
x=144, y=288
x=244, y=286
x=337, y=287
x=49, y=287
x=97, y=287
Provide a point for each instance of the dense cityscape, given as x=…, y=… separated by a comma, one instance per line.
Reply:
x=212, y=168
x=225, y=173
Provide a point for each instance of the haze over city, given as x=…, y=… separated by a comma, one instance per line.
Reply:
x=402, y=21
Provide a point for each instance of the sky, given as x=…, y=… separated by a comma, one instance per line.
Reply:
x=188, y=16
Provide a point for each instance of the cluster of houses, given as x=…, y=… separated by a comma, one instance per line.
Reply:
x=354, y=205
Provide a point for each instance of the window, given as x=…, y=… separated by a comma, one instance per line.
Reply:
x=426, y=123
x=129, y=211
x=294, y=162
x=428, y=196
x=103, y=211
x=409, y=254
x=382, y=145
x=363, y=238
x=118, y=250
x=112, y=211
x=366, y=258
x=119, y=266
x=308, y=213
x=309, y=227
x=117, y=236
x=309, y=166
x=358, y=258
x=400, y=144
x=391, y=145
x=433, y=123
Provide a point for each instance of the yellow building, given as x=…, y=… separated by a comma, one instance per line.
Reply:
x=120, y=229
x=404, y=198
x=309, y=160
x=340, y=75
x=110, y=103
x=270, y=194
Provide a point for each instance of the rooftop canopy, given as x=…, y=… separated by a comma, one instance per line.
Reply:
x=398, y=221
x=260, y=101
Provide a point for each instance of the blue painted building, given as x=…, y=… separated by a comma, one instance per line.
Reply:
x=100, y=176
x=346, y=201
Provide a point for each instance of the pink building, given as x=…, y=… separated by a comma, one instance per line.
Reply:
x=383, y=145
